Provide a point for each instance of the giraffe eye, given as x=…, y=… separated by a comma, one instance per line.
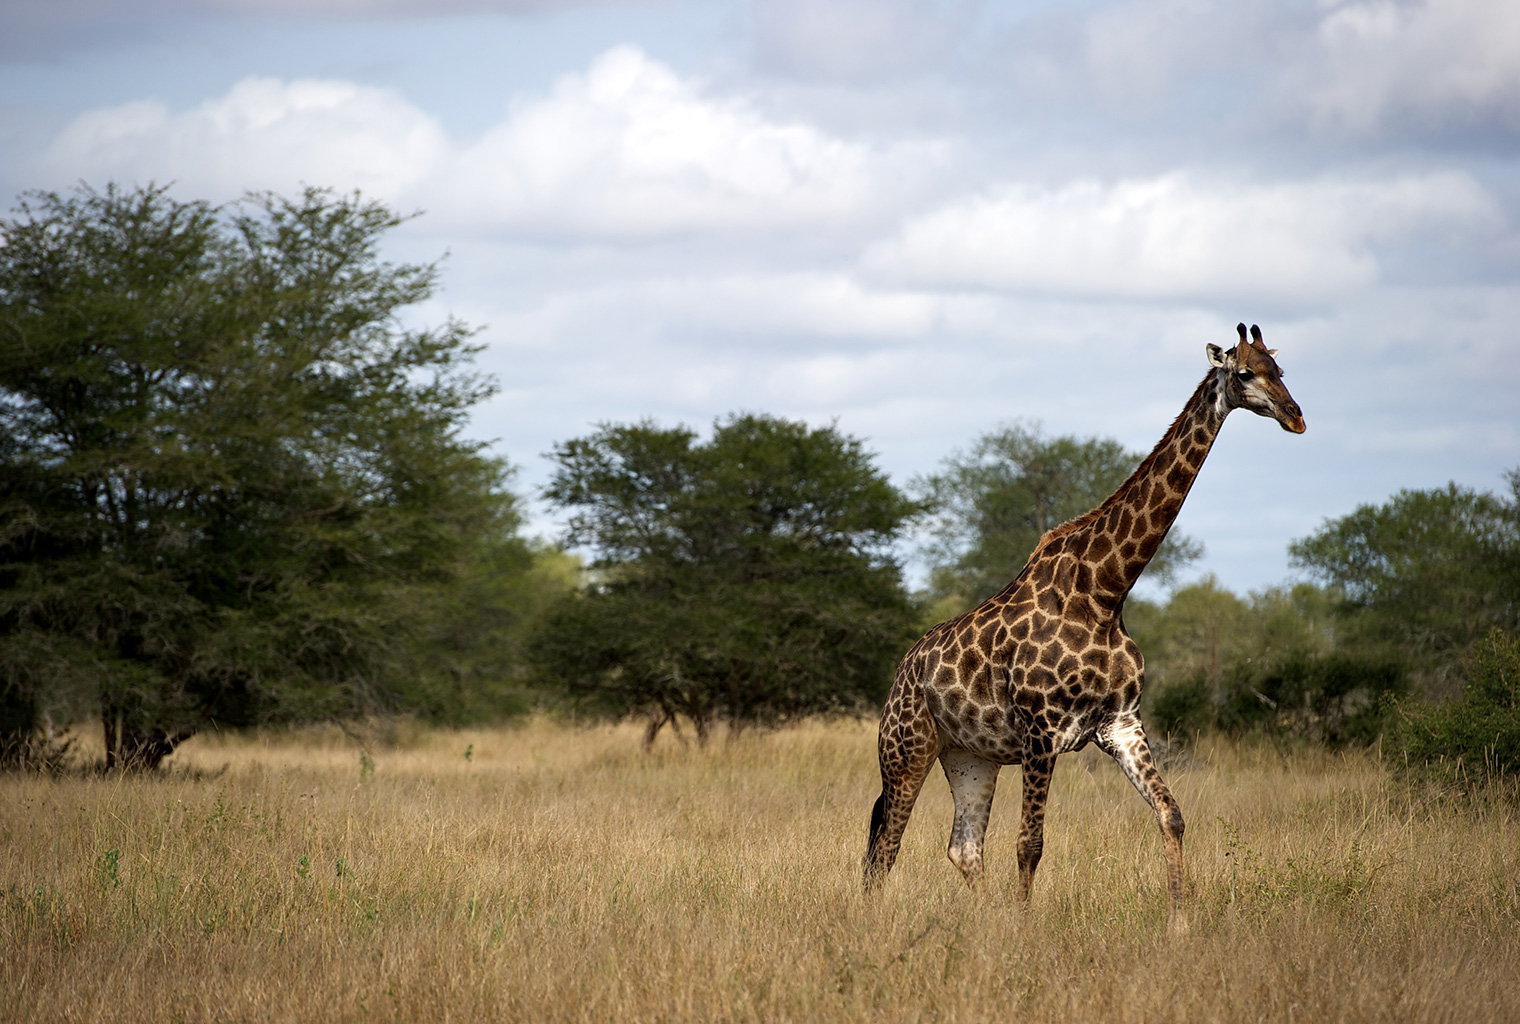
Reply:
x=1245, y=374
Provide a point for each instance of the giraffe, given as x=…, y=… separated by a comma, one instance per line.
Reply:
x=1045, y=666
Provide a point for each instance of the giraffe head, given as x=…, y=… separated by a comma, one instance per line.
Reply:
x=1252, y=380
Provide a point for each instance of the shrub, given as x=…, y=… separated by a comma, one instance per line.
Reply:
x=1474, y=738
x=1334, y=699
x=1183, y=709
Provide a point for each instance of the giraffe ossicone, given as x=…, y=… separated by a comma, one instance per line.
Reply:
x=1045, y=666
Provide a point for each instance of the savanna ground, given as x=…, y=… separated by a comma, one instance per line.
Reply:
x=547, y=873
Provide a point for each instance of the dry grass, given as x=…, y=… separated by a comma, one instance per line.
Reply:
x=560, y=875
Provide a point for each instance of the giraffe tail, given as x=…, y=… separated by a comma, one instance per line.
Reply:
x=878, y=825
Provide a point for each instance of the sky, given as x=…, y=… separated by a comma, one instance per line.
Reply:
x=915, y=219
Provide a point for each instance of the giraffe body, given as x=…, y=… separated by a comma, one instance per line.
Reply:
x=1045, y=666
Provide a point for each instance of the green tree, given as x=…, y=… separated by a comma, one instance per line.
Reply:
x=748, y=577
x=1297, y=621
x=1427, y=572
x=1199, y=631
x=232, y=484
x=995, y=502
x=1272, y=663
x=471, y=634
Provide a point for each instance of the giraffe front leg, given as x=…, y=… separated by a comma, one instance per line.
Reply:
x=973, y=780
x=1037, y=773
x=1127, y=744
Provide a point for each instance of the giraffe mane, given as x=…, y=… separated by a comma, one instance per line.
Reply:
x=1086, y=519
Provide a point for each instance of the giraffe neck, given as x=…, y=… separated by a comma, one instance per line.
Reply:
x=1117, y=540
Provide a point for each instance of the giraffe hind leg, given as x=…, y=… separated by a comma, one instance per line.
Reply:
x=908, y=745
x=973, y=780
x=889, y=818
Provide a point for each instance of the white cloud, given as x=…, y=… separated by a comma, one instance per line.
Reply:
x=630, y=149
x=1433, y=60
x=626, y=150
x=264, y=133
x=1175, y=236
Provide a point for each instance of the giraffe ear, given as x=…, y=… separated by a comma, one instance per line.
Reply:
x=1230, y=359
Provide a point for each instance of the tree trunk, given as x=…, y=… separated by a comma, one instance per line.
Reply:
x=658, y=716
x=134, y=748
x=110, y=721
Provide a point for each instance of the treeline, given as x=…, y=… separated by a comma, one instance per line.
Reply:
x=235, y=489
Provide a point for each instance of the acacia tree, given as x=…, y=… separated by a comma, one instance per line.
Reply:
x=232, y=485
x=994, y=503
x=748, y=577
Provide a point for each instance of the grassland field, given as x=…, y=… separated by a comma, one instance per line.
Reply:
x=557, y=873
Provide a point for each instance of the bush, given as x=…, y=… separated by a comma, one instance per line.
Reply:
x=1334, y=699
x=1184, y=709
x=1475, y=738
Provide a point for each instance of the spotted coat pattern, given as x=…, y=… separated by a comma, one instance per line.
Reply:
x=1045, y=666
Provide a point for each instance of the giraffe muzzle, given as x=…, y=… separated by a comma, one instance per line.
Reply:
x=1292, y=419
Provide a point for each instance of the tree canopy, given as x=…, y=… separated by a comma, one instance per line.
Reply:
x=232, y=484
x=994, y=502
x=1427, y=572
x=748, y=577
